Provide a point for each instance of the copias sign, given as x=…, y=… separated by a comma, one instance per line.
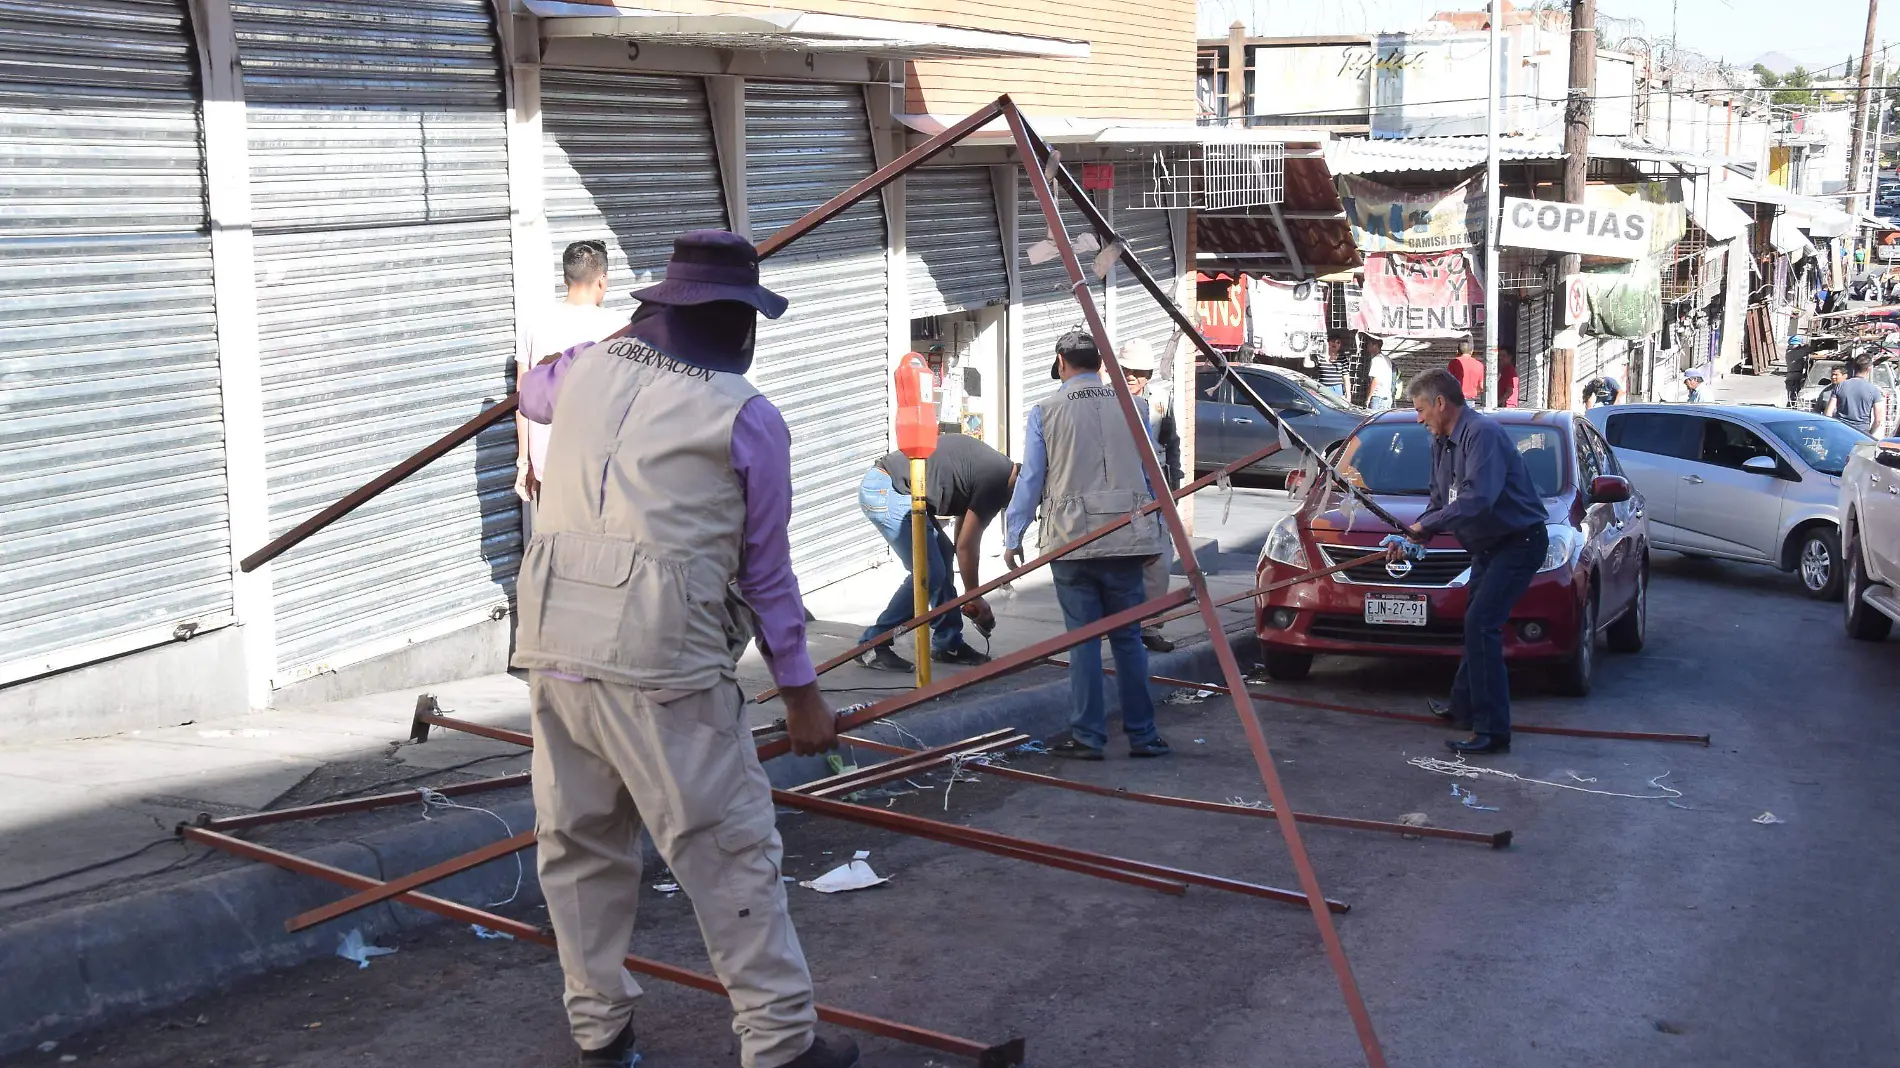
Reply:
x=1619, y=233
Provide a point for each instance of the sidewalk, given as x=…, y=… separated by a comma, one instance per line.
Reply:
x=92, y=818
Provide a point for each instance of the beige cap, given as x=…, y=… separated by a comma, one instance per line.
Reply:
x=1136, y=354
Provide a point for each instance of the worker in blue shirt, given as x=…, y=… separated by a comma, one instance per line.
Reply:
x=1482, y=495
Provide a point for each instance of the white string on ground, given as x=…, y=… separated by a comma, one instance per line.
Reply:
x=436, y=799
x=957, y=775
x=1459, y=769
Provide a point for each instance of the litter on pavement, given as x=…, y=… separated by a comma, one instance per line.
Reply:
x=354, y=948
x=856, y=875
x=1459, y=769
x=1767, y=818
x=483, y=932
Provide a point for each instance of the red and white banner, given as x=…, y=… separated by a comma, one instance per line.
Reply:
x=1224, y=322
x=1433, y=294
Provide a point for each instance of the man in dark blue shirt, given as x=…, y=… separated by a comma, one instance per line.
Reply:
x=1482, y=495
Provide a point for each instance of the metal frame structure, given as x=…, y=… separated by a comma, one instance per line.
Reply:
x=1044, y=173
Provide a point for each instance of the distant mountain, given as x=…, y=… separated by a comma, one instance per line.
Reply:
x=1776, y=62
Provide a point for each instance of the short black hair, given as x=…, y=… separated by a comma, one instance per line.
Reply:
x=1860, y=364
x=1465, y=345
x=1077, y=349
x=1436, y=382
x=584, y=262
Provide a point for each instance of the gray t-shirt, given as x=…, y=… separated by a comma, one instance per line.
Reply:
x=1854, y=402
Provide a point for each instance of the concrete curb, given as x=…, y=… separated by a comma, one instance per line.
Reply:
x=104, y=963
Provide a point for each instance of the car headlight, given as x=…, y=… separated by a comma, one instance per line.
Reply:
x=1283, y=544
x=1565, y=544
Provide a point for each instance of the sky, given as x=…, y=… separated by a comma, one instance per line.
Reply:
x=1814, y=33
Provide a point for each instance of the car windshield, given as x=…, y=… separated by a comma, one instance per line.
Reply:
x=1317, y=392
x=1823, y=444
x=1396, y=458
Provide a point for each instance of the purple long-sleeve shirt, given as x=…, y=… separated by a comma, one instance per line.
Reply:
x=762, y=459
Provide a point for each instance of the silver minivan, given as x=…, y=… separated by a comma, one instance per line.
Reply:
x=1739, y=482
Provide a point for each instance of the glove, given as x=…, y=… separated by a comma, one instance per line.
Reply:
x=1412, y=550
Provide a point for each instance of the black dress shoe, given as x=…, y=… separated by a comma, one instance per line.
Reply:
x=1479, y=744
x=616, y=1054
x=823, y=1054
x=1155, y=642
x=1071, y=749
x=1442, y=709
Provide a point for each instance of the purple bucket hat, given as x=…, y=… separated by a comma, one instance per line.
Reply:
x=713, y=265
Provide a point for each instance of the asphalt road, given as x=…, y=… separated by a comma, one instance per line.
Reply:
x=1614, y=932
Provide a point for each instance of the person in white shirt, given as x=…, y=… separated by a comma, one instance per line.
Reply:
x=1378, y=375
x=576, y=320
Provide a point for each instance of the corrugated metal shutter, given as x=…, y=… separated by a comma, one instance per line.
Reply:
x=954, y=249
x=823, y=362
x=1533, y=350
x=1049, y=308
x=1151, y=240
x=112, y=497
x=379, y=183
x=630, y=160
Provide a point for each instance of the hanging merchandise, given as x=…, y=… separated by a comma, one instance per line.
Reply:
x=1625, y=299
x=1289, y=320
x=1385, y=219
x=1432, y=295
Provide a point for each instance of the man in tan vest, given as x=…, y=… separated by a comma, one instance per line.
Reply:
x=1080, y=470
x=661, y=539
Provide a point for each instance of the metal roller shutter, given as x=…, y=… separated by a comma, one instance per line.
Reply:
x=379, y=187
x=823, y=362
x=1049, y=308
x=113, y=522
x=1533, y=350
x=630, y=160
x=1151, y=240
x=954, y=248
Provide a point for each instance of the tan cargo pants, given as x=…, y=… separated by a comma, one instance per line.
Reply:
x=609, y=758
x=1154, y=577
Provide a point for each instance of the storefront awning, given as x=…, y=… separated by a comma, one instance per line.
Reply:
x=797, y=31
x=1716, y=214
x=1066, y=130
x=1378, y=156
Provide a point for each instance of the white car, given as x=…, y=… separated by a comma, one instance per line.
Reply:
x=1870, y=539
x=1739, y=482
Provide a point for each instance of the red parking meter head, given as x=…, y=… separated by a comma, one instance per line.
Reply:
x=916, y=408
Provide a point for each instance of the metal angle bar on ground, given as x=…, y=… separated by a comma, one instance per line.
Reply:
x=1039, y=852
x=911, y=763
x=414, y=880
x=1496, y=840
x=1008, y=577
x=1034, y=158
x=1002, y=1055
x=358, y=804
x=787, y=234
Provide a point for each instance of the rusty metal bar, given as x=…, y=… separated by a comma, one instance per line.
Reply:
x=414, y=880
x=1496, y=840
x=911, y=763
x=359, y=804
x=997, y=668
x=425, y=720
x=1046, y=558
x=1034, y=157
x=791, y=232
x=1039, y=852
x=1002, y=1055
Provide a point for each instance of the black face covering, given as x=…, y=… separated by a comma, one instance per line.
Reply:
x=719, y=336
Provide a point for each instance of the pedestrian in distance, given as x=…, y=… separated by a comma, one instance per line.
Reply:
x=1138, y=364
x=1857, y=401
x=1507, y=377
x=1824, y=400
x=1332, y=373
x=967, y=481
x=1795, y=368
x=1081, y=472
x=1379, y=383
x=1481, y=494
x=1468, y=370
x=663, y=544
x=576, y=319
x=1602, y=389
x=1692, y=387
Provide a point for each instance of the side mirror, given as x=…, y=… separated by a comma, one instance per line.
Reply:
x=1609, y=489
x=1761, y=465
x=1887, y=454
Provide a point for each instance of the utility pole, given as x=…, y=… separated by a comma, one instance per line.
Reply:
x=1237, y=74
x=1577, y=113
x=1491, y=213
x=1861, y=101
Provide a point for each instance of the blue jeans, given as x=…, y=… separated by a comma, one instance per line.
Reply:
x=1089, y=590
x=1378, y=404
x=889, y=511
x=1499, y=577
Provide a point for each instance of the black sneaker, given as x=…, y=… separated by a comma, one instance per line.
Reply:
x=960, y=653
x=1155, y=642
x=617, y=1054
x=1153, y=747
x=823, y=1054
x=882, y=658
x=1070, y=749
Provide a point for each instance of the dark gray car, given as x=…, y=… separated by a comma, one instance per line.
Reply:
x=1226, y=427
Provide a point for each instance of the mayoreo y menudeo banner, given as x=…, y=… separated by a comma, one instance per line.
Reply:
x=1438, y=294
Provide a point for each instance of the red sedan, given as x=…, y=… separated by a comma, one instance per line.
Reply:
x=1594, y=580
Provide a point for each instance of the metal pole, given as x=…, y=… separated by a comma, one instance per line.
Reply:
x=1496, y=56
x=1577, y=121
x=1861, y=103
x=920, y=564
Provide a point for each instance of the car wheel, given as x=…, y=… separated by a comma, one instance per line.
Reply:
x=1819, y=563
x=1576, y=671
x=1864, y=622
x=1287, y=667
x=1626, y=634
